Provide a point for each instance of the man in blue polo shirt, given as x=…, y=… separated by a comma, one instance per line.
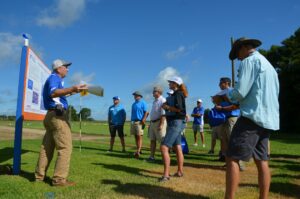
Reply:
x=58, y=133
x=257, y=92
x=139, y=115
x=198, y=123
x=116, y=120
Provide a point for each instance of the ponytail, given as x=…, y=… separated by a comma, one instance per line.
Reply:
x=183, y=88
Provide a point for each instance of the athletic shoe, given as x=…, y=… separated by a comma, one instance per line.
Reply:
x=195, y=144
x=211, y=152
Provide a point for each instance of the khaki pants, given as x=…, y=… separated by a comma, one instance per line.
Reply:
x=58, y=136
x=226, y=129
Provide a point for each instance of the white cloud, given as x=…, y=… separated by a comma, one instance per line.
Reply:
x=78, y=77
x=180, y=51
x=161, y=80
x=62, y=14
x=10, y=46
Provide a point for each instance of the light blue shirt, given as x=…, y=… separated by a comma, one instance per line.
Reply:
x=138, y=110
x=257, y=91
x=116, y=115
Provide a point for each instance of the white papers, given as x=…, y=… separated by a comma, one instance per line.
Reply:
x=96, y=90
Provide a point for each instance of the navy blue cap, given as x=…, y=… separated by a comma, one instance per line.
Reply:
x=116, y=98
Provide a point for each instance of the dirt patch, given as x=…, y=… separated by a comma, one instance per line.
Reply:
x=8, y=133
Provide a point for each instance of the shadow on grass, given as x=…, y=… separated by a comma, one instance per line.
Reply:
x=285, y=155
x=131, y=170
x=204, y=166
x=7, y=153
x=149, y=191
x=285, y=176
x=286, y=189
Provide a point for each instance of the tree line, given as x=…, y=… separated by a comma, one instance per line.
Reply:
x=286, y=61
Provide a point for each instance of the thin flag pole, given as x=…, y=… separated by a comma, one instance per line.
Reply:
x=232, y=66
x=80, y=123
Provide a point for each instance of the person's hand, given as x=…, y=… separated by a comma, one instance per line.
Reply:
x=219, y=108
x=165, y=107
x=143, y=122
x=159, y=128
x=79, y=88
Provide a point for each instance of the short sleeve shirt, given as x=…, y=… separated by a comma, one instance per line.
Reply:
x=199, y=119
x=53, y=82
x=138, y=110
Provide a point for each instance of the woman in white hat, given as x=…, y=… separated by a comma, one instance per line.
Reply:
x=175, y=114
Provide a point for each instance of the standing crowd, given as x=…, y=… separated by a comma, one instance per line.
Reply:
x=243, y=118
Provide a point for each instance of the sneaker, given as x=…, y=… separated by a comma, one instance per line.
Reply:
x=211, y=152
x=203, y=145
x=151, y=159
x=222, y=158
x=63, y=184
x=109, y=151
x=164, y=179
x=195, y=144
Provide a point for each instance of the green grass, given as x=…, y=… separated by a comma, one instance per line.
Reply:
x=117, y=175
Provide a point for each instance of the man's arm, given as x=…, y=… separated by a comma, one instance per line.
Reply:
x=144, y=118
x=247, y=75
x=67, y=91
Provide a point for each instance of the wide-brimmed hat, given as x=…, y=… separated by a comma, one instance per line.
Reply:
x=59, y=62
x=138, y=93
x=239, y=43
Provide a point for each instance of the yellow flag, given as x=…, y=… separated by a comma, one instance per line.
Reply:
x=84, y=93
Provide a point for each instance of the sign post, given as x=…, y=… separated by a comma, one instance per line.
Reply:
x=33, y=74
x=19, y=114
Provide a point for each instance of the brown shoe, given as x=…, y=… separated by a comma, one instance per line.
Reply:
x=63, y=184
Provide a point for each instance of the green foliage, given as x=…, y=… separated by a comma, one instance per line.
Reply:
x=85, y=113
x=286, y=60
x=72, y=113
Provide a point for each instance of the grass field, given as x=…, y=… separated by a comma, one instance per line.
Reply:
x=100, y=174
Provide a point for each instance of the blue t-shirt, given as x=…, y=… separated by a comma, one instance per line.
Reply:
x=116, y=114
x=233, y=113
x=198, y=120
x=138, y=109
x=53, y=82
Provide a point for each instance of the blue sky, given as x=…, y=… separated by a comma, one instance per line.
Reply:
x=128, y=45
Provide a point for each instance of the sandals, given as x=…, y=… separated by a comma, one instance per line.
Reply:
x=164, y=179
x=177, y=175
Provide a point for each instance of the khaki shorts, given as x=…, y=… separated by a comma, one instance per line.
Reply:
x=155, y=134
x=216, y=132
x=136, y=128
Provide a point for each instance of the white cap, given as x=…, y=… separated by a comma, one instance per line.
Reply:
x=176, y=79
x=59, y=62
x=199, y=100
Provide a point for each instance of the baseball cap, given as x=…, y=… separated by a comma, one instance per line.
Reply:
x=137, y=93
x=158, y=89
x=59, y=62
x=176, y=79
x=116, y=98
x=199, y=100
x=225, y=79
